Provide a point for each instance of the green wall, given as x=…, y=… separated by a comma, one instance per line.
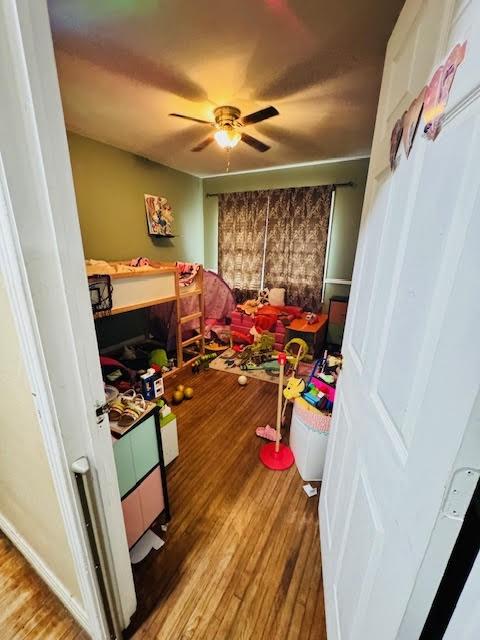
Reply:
x=109, y=185
x=348, y=208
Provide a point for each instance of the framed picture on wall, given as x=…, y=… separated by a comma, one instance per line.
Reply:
x=159, y=216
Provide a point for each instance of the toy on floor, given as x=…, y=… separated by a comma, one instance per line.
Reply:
x=203, y=362
x=270, y=366
x=177, y=397
x=159, y=357
x=261, y=351
x=182, y=393
x=216, y=347
x=267, y=432
x=275, y=455
x=242, y=380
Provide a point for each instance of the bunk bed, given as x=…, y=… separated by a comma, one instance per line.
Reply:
x=145, y=286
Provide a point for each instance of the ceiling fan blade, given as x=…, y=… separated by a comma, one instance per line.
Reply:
x=253, y=142
x=258, y=116
x=204, y=143
x=179, y=115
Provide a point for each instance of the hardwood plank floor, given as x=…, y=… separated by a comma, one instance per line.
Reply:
x=28, y=609
x=242, y=554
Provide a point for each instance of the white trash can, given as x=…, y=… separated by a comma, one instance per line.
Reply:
x=308, y=441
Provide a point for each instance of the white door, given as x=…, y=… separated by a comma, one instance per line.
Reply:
x=48, y=282
x=411, y=347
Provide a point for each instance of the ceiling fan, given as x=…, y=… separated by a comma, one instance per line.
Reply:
x=229, y=124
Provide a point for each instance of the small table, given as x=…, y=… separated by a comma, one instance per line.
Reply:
x=313, y=334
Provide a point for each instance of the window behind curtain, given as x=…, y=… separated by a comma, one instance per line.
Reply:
x=296, y=240
x=241, y=235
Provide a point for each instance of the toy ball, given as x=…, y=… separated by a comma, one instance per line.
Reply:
x=180, y=387
x=178, y=396
x=188, y=393
x=242, y=380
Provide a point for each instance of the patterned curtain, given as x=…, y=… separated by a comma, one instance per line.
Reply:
x=297, y=230
x=241, y=237
x=296, y=243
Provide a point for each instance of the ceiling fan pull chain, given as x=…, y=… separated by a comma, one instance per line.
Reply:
x=228, y=160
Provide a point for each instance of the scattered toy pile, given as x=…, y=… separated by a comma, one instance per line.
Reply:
x=182, y=393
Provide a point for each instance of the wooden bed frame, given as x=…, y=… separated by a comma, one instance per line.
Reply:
x=131, y=291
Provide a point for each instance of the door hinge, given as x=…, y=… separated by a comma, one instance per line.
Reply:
x=100, y=412
x=460, y=493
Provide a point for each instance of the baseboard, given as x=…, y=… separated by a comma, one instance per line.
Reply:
x=51, y=580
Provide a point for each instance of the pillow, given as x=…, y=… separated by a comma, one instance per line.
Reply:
x=276, y=297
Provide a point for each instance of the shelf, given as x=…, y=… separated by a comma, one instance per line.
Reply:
x=162, y=235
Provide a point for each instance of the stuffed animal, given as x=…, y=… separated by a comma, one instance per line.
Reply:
x=250, y=307
x=295, y=387
x=139, y=262
x=263, y=296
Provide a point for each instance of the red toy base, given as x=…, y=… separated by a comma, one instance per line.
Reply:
x=278, y=461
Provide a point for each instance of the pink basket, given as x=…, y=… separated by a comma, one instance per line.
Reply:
x=315, y=420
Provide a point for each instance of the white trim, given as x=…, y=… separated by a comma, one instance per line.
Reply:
x=47, y=287
x=50, y=579
x=298, y=165
x=16, y=284
x=338, y=281
x=327, y=249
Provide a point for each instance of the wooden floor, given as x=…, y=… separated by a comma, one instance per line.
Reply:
x=242, y=553
x=28, y=609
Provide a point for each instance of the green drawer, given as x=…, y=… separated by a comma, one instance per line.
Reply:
x=122, y=452
x=144, y=447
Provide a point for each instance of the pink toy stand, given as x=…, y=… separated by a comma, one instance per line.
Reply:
x=274, y=455
x=277, y=460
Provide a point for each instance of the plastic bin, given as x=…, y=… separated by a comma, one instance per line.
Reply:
x=168, y=431
x=308, y=441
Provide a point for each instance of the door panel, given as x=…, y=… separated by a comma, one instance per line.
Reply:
x=400, y=414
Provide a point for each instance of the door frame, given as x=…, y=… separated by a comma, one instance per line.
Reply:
x=48, y=290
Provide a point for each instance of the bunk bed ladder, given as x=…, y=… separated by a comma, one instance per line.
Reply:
x=181, y=320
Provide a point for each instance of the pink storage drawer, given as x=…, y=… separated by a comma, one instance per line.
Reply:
x=151, y=497
x=132, y=515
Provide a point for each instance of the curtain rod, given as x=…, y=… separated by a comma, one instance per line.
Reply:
x=335, y=184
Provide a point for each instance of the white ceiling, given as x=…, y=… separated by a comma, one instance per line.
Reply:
x=125, y=64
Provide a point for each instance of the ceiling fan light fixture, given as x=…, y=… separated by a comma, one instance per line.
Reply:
x=227, y=138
